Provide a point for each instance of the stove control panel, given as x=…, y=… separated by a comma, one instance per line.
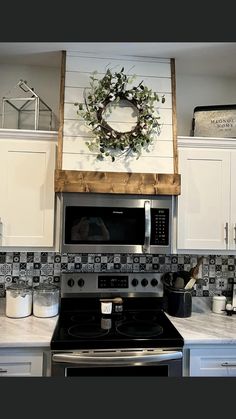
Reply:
x=115, y=283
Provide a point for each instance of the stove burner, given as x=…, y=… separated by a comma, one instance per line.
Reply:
x=82, y=317
x=145, y=315
x=139, y=329
x=87, y=331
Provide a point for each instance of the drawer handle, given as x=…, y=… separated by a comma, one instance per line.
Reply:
x=2, y=370
x=228, y=364
x=235, y=233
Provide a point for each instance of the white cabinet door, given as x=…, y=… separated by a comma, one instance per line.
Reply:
x=21, y=363
x=212, y=362
x=204, y=203
x=232, y=225
x=27, y=192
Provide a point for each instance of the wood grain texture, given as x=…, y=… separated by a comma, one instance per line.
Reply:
x=117, y=182
x=61, y=111
x=174, y=117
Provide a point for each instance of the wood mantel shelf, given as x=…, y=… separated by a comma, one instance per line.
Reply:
x=117, y=182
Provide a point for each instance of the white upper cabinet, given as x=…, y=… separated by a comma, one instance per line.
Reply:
x=27, y=164
x=206, y=215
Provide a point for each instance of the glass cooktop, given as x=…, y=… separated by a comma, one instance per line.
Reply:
x=135, y=327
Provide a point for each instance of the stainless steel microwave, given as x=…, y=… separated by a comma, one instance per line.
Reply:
x=112, y=223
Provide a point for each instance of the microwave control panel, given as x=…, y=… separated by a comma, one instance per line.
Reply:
x=160, y=226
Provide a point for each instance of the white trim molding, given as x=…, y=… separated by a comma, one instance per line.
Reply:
x=23, y=134
x=206, y=142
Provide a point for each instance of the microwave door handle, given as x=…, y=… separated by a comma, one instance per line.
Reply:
x=147, y=236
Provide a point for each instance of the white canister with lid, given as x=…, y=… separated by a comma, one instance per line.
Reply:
x=45, y=300
x=19, y=300
x=218, y=304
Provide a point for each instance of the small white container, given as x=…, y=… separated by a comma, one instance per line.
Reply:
x=219, y=304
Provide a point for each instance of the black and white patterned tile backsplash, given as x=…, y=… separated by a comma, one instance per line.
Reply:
x=216, y=274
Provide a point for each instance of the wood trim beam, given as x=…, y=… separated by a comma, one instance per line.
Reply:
x=174, y=115
x=61, y=111
x=117, y=182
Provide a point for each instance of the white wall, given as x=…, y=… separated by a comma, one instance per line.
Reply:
x=192, y=91
x=156, y=74
x=44, y=80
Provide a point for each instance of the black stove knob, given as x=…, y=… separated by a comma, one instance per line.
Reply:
x=144, y=282
x=134, y=282
x=81, y=282
x=70, y=282
x=154, y=282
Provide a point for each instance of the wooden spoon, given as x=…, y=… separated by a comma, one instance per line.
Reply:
x=193, y=272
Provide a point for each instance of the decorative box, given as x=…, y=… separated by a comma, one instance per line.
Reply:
x=214, y=121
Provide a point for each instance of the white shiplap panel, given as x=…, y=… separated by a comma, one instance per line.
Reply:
x=166, y=133
x=142, y=68
x=76, y=94
x=142, y=165
x=158, y=148
x=71, y=53
x=70, y=108
x=156, y=74
x=79, y=128
x=157, y=84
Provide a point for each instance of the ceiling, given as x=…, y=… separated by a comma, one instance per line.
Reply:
x=201, y=58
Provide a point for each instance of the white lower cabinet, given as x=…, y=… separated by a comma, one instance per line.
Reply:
x=210, y=361
x=19, y=362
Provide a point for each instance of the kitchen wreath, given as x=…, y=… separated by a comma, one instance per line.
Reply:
x=113, y=89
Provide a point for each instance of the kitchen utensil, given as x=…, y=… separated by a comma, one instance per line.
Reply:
x=175, y=279
x=179, y=282
x=177, y=302
x=193, y=273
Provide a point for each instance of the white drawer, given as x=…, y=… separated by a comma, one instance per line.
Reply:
x=21, y=364
x=213, y=362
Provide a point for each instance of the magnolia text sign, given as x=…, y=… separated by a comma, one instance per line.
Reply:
x=214, y=123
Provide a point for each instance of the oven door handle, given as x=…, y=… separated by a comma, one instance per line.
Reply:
x=114, y=359
x=147, y=234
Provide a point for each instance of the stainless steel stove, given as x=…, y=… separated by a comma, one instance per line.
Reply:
x=110, y=320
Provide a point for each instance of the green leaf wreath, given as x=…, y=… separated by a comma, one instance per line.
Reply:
x=112, y=88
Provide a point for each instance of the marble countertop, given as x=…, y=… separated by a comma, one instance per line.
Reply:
x=29, y=331
x=203, y=327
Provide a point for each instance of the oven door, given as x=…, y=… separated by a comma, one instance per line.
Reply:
x=122, y=362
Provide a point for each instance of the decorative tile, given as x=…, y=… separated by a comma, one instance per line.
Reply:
x=216, y=274
x=2, y=257
x=123, y=259
x=57, y=258
x=97, y=267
